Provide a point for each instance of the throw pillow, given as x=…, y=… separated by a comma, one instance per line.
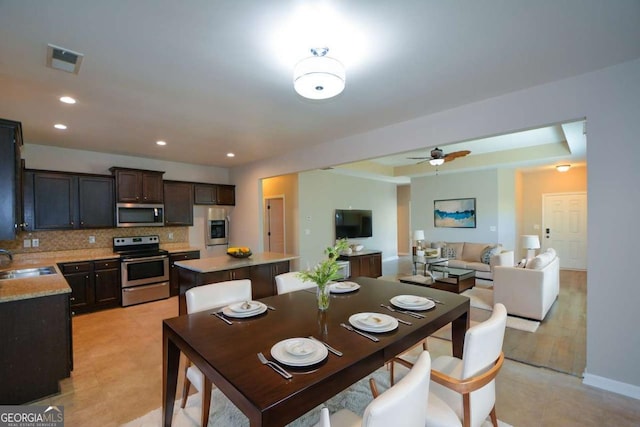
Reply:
x=448, y=252
x=487, y=253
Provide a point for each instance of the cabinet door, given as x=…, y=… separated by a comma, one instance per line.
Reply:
x=226, y=195
x=262, y=281
x=178, y=203
x=81, y=295
x=54, y=201
x=152, y=188
x=174, y=278
x=204, y=194
x=107, y=288
x=375, y=265
x=10, y=174
x=240, y=273
x=128, y=185
x=96, y=202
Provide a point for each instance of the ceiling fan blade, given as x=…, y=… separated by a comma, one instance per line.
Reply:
x=418, y=158
x=454, y=155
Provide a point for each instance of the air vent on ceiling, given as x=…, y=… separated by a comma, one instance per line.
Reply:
x=63, y=59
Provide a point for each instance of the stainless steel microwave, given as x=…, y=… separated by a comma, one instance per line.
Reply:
x=139, y=215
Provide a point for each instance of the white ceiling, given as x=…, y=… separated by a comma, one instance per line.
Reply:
x=213, y=76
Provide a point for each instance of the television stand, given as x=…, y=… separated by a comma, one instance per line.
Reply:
x=367, y=262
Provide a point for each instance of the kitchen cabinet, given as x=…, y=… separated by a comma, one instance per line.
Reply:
x=95, y=285
x=10, y=179
x=178, y=203
x=37, y=349
x=66, y=201
x=214, y=194
x=138, y=186
x=174, y=280
x=367, y=263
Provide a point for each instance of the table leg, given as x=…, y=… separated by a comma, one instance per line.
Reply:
x=458, y=330
x=170, y=366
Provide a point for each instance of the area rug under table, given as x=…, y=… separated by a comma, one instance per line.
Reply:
x=224, y=413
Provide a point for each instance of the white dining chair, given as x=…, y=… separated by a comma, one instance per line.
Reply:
x=463, y=390
x=401, y=405
x=289, y=282
x=207, y=297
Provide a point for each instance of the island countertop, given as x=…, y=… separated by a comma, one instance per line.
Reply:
x=227, y=262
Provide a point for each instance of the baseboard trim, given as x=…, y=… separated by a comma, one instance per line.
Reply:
x=614, y=386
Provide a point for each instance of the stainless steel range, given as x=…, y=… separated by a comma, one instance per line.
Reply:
x=145, y=269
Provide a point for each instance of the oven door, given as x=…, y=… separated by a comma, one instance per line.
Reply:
x=217, y=232
x=144, y=271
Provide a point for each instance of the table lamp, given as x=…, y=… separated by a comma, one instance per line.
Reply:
x=530, y=242
x=418, y=236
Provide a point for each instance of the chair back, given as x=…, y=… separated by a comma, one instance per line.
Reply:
x=289, y=282
x=483, y=343
x=404, y=404
x=214, y=295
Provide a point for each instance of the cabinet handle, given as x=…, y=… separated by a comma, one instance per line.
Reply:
x=72, y=298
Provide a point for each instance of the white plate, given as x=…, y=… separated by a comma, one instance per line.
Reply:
x=343, y=287
x=227, y=311
x=398, y=302
x=411, y=300
x=245, y=306
x=300, y=348
x=281, y=352
x=373, y=322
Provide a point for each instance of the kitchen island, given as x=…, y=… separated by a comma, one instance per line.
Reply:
x=260, y=268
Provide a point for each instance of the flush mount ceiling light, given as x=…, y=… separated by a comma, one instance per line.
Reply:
x=230, y=155
x=319, y=76
x=60, y=126
x=161, y=142
x=436, y=162
x=67, y=100
x=563, y=168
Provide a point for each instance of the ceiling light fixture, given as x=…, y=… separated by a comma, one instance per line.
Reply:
x=319, y=76
x=60, y=126
x=563, y=168
x=230, y=155
x=67, y=100
x=436, y=162
x=161, y=142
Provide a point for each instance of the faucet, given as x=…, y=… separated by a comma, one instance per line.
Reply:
x=6, y=253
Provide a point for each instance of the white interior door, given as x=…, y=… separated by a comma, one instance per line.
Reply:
x=564, y=228
x=274, y=225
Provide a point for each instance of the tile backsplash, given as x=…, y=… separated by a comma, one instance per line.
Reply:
x=65, y=240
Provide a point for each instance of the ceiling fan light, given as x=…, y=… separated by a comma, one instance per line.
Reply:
x=319, y=77
x=563, y=168
x=436, y=162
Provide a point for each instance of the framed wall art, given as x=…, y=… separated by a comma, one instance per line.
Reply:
x=455, y=213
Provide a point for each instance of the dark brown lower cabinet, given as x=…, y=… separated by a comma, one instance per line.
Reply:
x=174, y=283
x=368, y=264
x=262, y=278
x=95, y=285
x=36, y=351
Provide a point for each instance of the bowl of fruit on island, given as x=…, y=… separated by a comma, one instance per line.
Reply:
x=239, y=252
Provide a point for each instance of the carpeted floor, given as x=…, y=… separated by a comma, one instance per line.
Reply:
x=224, y=413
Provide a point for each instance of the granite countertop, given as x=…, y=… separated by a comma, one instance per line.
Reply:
x=52, y=284
x=226, y=262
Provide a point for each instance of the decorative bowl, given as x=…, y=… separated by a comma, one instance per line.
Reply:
x=240, y=254
x=357, y=248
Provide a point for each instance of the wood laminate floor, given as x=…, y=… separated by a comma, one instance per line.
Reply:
x=117, y=377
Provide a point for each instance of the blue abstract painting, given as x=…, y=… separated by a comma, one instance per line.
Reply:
x=455, y=213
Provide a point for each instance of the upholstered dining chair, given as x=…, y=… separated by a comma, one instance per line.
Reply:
x=289, y=282
x=401, y=405
x=203, y=298
x=463, y=390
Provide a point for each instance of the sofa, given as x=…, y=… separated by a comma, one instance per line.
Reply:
x=480, y=257
x=528, y=291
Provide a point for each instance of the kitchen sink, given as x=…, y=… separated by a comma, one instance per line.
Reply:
x=26, y=272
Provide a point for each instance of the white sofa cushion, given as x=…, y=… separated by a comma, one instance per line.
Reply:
x=473, y=251
x=541, y=261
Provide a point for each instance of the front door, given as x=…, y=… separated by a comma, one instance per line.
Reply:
x=564, y=228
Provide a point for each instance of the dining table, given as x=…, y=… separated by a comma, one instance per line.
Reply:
x=226, y=352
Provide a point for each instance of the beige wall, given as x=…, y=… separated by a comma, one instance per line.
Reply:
x=534, y=185
x=404, y=219
x=285, y=186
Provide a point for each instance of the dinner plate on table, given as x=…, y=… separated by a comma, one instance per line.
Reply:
x=373, y=322
x=244, y=309
x=412, y=302
x=299, y=352
x=343, y=287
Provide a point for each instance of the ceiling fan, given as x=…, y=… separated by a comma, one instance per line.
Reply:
x=438, y=157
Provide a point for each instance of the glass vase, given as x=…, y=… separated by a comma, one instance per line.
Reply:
x=323, y=297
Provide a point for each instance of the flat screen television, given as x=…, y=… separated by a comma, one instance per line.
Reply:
x=353, y=223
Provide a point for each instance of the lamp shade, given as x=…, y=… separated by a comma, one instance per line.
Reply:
x=418, y=235
x=319, y=77
x=530, y=241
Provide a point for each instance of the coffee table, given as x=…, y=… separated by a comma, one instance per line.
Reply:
x=427, y=263
x=452, y=279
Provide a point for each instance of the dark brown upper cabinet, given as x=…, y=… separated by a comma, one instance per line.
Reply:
x=215, y=194
x=138, y=186
x=10, y=179
x=178, y=203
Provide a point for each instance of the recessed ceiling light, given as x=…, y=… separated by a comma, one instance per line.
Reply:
x=230, y=155
x=67, y=100
x=161, y=142
x=60, y=126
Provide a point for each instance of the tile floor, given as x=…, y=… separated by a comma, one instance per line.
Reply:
x=118, y=373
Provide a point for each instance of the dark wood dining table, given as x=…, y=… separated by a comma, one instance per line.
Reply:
x=227, y=354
